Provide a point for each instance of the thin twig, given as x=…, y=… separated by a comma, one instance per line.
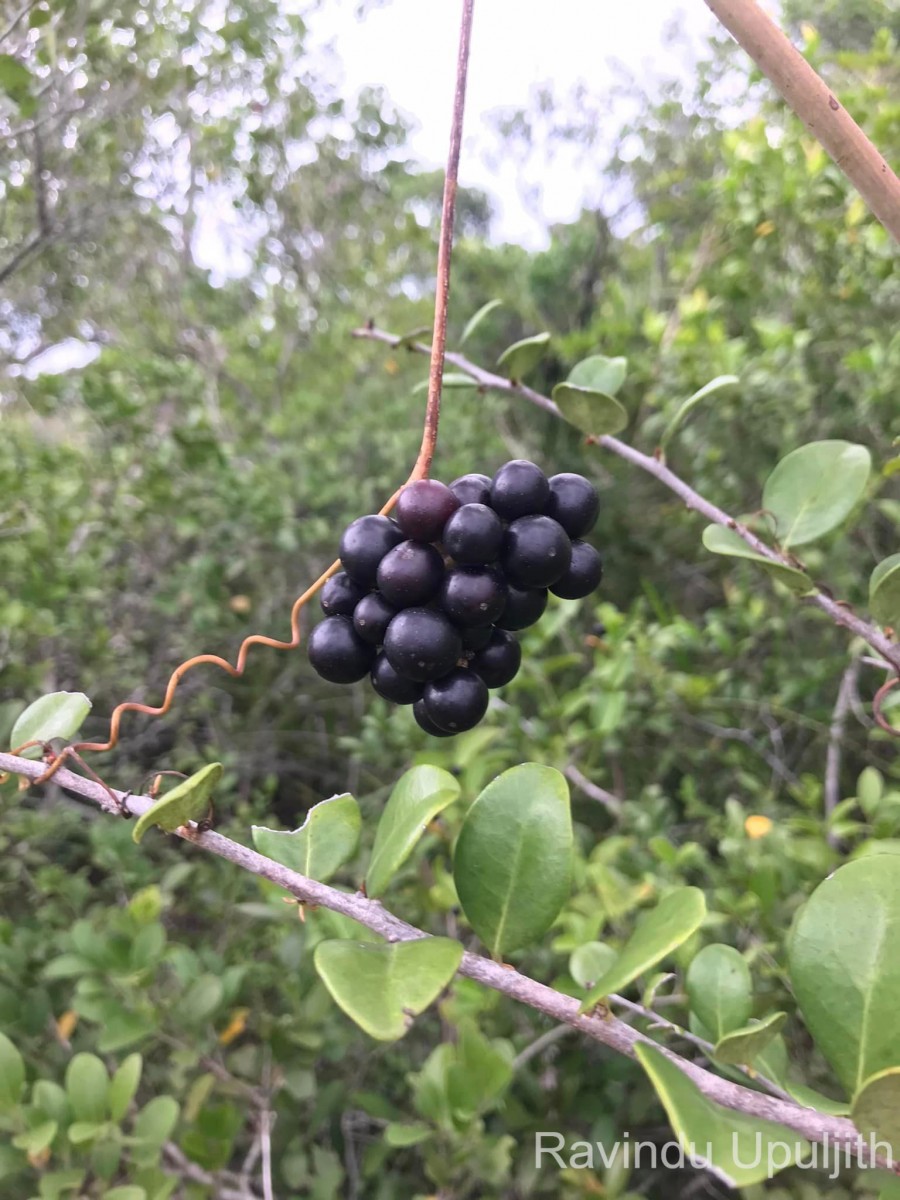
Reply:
x=539, y=1045
x=835, y=742
x=839, y=612
x=445, y=247
x=813, y=102
x=611, y=803
x=602, y=1027
x=658, y=1022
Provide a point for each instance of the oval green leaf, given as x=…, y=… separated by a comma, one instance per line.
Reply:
x=590, y=962
x=417, y=798
x=597, y=373
x=720, y=989
x=522, y=357
x=324, y=842
x=123, y=1086
x=736, y=1148
x=876, y=1109
x=156, y=1120
x=452, y=380
x=513, y=860
x=188, y=801
x=592, y=412
x=743, y=1046
x=661, y=931
x=729, y=542
x=815, y=488
x=12, y=1074
x=57, y=715
x=688, y=406
x=844, y=963
x=474, y=321
x=87, y=1084
x=382, y=987
x=884, y=592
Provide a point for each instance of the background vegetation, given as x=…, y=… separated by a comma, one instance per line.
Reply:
x=179, y=491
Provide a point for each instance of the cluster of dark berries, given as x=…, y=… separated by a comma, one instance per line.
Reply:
x=427, y=603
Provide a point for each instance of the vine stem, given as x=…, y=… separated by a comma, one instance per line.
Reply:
x=445, y=247
x=420, y=470
x=813, y=102
x=600, y=1026
x=839, y=611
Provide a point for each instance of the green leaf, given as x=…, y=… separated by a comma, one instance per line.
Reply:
x=844, y=962
x=54, y=1183
x=382, y=987
x=123, y=1085
x=33, y=1141
x=85, y=1131
x=402, y=1136
x=417, y=798
x=688, y=406
x=592, y=412
x=189, y=801
x=15, y=82
x=720, y=540
x=481, y=1073
x=12, y=1074
x=86, y=1086
x=324, y=842
x=590, y=962
x=57, y=715
x=740, y=1150
x=876, y=1109
x=201, y=999
x=474, y=321
x=126, y=1192
x=597, y=373
x=452, y=380
x=513, y=860
x=658, y=933
x=521, y=357
x=742, y=1046
x=815, y=488
x=50, y=1099
x=884, y=592
x=720, y=989
x=156, y=1120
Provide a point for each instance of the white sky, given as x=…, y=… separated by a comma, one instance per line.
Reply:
x=409, y=48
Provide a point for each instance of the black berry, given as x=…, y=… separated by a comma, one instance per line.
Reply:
x=584, y=573
x=391, y=686
x=410, y=574
x=425, y=722
x=473, y=535
x=337, y=653
x=519, y=489
x=422, y=644
x=372, y=616
x=536, y=552
x=423, y=509
x=457, y=702
x=364, y=544
x=524, y=606
x=340, y=596
x=473, y=595
x=476, y=637
x=574, y=503
x=472, y=489
x=500, y=659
